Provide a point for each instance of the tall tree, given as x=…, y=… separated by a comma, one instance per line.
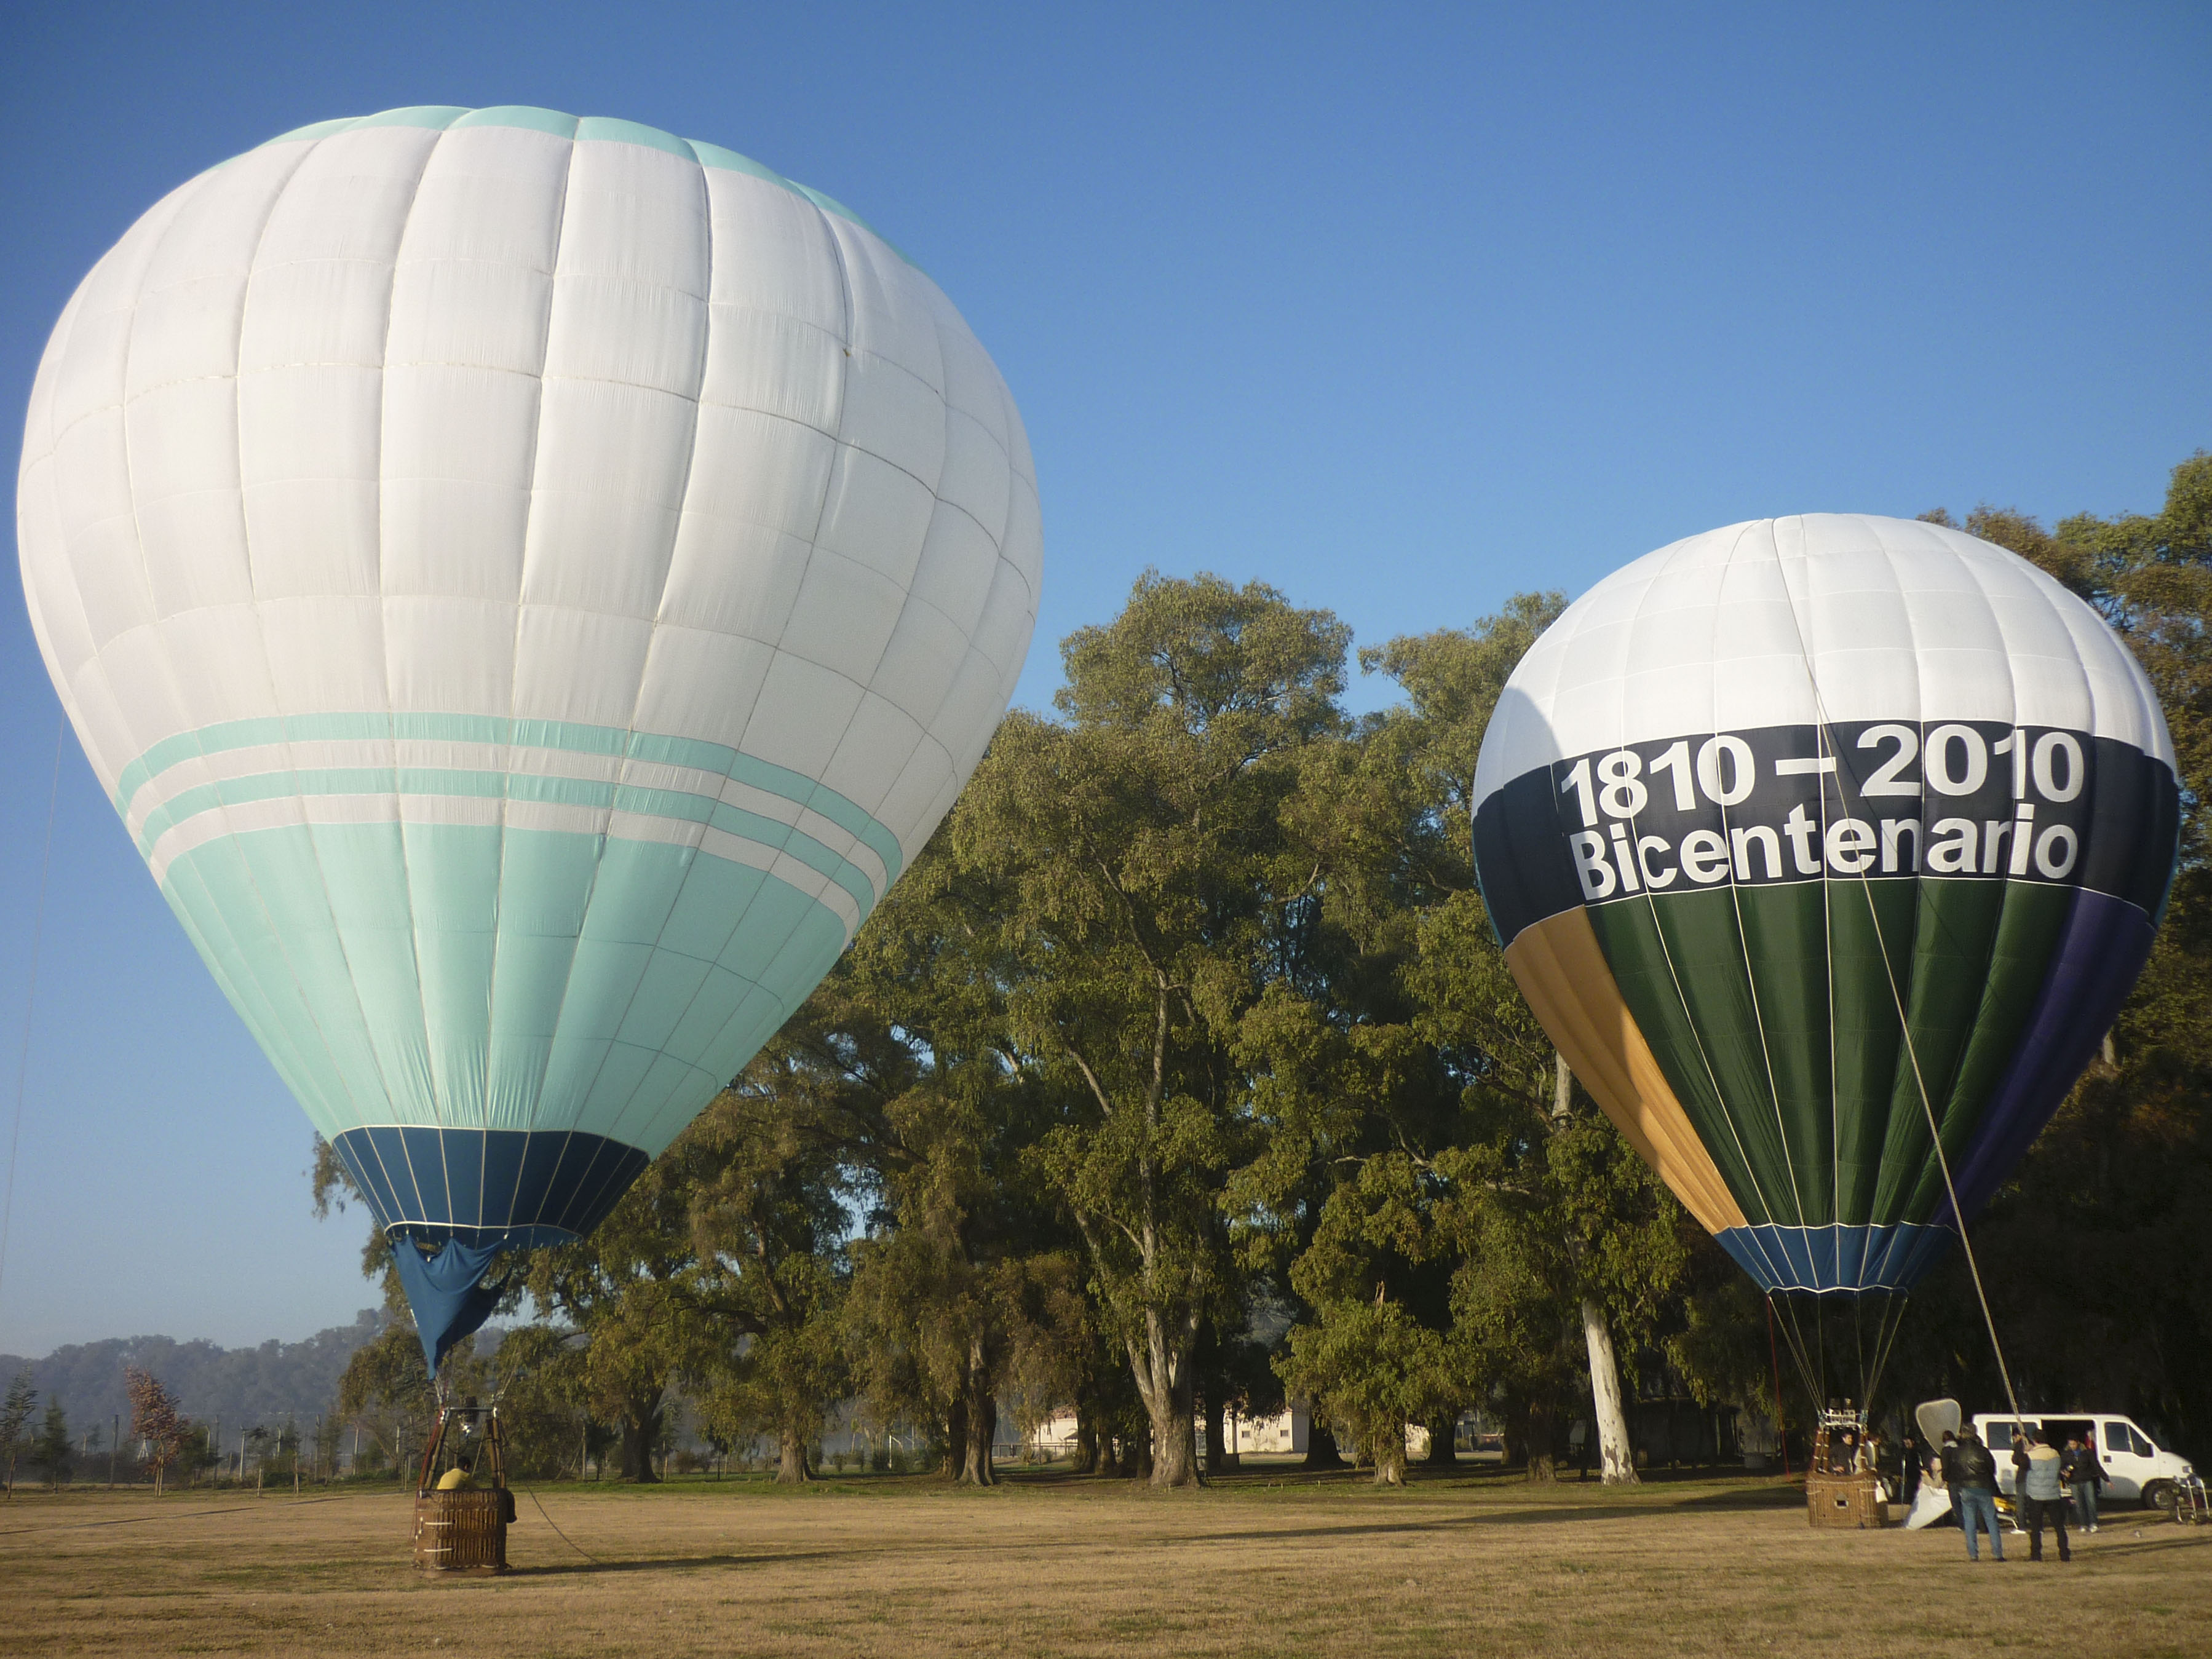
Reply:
x=762, y=1172
x=1140, y=845
x=2093, y=1256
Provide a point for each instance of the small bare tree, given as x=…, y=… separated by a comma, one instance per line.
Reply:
x=155, y=1419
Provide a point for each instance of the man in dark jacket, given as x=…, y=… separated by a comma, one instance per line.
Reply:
x=1973, y=1476
x=2085, y=1473
x=1908, y=1471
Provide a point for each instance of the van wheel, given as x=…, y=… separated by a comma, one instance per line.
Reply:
x=2160, y=1495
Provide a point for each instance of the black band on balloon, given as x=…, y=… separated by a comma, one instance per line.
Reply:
x=524, y=1189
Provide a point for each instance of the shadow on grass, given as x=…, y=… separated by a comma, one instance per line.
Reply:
x=677, y=1563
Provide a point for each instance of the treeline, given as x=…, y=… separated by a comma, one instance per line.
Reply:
x=240, y=1386
x=1183, y=1072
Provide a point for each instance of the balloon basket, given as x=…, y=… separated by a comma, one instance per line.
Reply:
x=462, y=1529
x=460, y=1532
x=1850, y=1501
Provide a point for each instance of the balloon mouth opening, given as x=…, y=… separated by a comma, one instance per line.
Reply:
x=436, y=1237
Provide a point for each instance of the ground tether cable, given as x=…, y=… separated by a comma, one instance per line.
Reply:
x=557, y=1533
x=30, y=994
x=1904, y=1021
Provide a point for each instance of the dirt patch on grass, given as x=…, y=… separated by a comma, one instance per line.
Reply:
x=905, y=1568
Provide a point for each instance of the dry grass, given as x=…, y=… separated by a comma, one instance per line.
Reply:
x=905, y=1567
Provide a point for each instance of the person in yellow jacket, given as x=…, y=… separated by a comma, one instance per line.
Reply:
x=460, y=1478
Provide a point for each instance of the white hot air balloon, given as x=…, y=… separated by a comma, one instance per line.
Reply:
x=529, y=586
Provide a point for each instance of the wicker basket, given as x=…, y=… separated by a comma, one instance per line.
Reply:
x=461, y=1531
x=1844, y=1500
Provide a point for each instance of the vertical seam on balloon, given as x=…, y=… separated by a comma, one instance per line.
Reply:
x=130, y=476
x=515, y=682
x=1959, y=1059
x=645, y=666
x=821, y=510
x=1743, y=943
x=2004, y=883
x=65, y=337
x=1943, y=1162
x=844, y=404
x=1666, y=954
x=1821, y=749
x=391, y=700
x=1828, y=918
x=315, y=846
x=1920, y=729
x=254, y=880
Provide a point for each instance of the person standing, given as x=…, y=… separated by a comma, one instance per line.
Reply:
x=1946, y=1472
x=2085, y=1473
x=1974, y=1493
x=1908, y=1471
x=2039, y=1492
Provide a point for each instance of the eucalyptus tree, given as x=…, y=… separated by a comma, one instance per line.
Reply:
x=1148, y=883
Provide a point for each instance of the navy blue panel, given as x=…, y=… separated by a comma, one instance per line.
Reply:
x=426, y=1156
x=540, y=1158
x=389, y=1154
x=2092, y=971
x=464, y=1157
x=581, y=1173
x=503, y=1158
x=1837, y=1259
x=361, y=1166
x=512, y=1188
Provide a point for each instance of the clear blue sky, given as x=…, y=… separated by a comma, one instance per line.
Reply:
x=1402, y=310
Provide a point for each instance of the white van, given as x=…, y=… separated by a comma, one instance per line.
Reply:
x=2134, y=1467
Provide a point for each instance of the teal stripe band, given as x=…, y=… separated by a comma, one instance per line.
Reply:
x=590, y=129
x=677, y=803
x=569, y=737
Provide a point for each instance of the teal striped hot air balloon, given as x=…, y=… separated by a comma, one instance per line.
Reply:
x=529, y=585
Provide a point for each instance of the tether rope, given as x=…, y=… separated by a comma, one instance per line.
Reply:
x=30, y=994
x=563, y=1536
x=1904, y=1020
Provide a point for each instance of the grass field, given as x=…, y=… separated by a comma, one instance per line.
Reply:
x=1258, y=1565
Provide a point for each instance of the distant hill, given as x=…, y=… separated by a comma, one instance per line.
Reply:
x=238, y=1385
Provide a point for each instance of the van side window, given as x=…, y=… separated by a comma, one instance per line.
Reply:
x=2120, y=1437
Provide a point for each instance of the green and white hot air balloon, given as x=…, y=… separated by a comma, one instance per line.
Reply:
x=529, y=586
x=1804, y=833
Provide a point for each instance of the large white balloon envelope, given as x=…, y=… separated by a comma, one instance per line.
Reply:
x=529, y=585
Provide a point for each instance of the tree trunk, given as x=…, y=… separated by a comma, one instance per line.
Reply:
x=1321, y=1450
x=1610, y=1421
x=1218, y=1461
x=1086, y=1441
x=637, y=1448
x=1542, y=1435
x=1138, y=1461
x=1443, y=1442
x=955, y=1435
x=1109, y=1456
x=791, y=1469
x=1387, y=1453
x=982, y=1415
x=1173, y=1448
